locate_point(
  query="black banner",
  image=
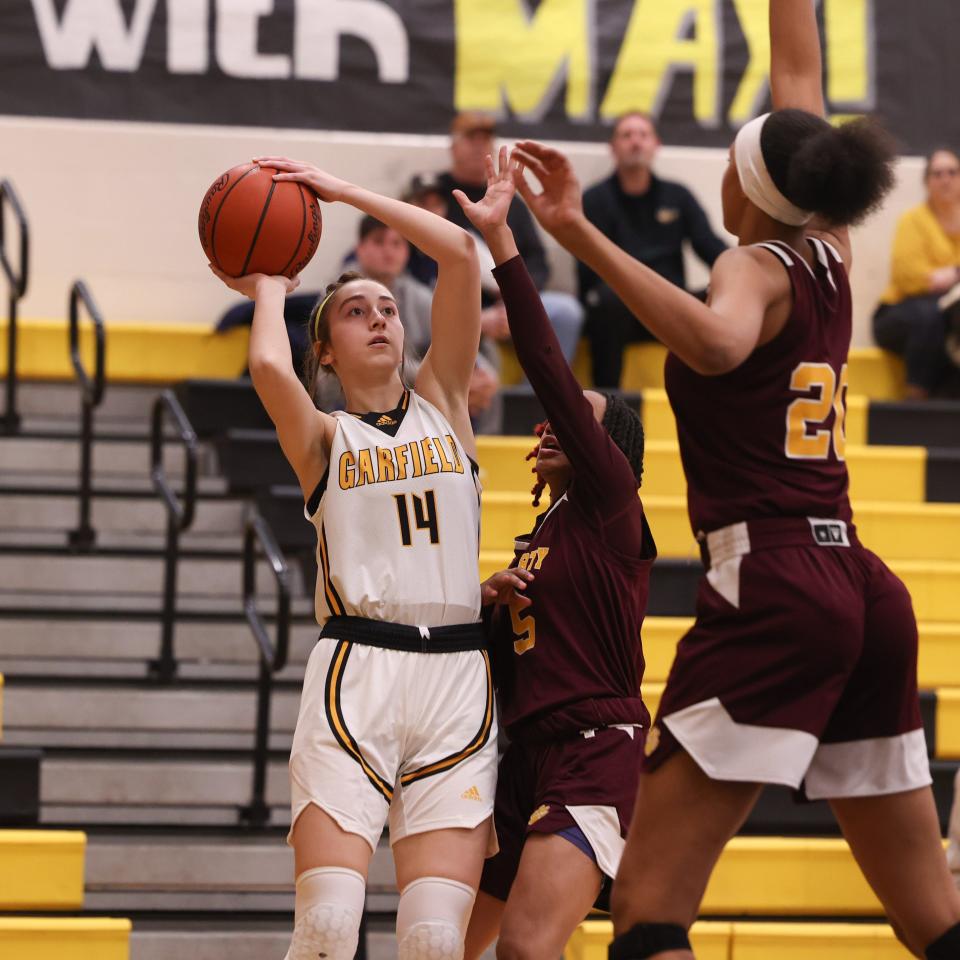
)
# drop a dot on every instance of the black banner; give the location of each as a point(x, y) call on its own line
point(554, 68)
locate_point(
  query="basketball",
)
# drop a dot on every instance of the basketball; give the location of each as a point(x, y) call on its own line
point(250, 223)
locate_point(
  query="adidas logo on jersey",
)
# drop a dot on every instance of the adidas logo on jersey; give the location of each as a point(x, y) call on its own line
point(472, 794)
point(386, 421)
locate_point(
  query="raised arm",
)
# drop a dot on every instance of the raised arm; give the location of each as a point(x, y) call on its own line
point(601, 471)
point(796, 81)
point(711, 339)
point(796, 67)
point(444, 375)
point(305, 433)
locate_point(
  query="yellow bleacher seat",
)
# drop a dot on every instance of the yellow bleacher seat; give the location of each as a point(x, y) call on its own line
point(934, 586)
point(948, 723)
point(895, 530)
point(46, 938)
point(876, 473)
point(825, 941)
point(41, 869)
point(761, 941)
point(939, 650)
point(136, 352)
point(873, 372)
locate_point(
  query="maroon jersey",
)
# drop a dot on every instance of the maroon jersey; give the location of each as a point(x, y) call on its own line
point(767, 439)
point(573, 659)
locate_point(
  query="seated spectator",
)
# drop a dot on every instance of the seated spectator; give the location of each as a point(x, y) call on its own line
point(925, 264)
point(382, 254)
point(471, 141)
point(650, 219)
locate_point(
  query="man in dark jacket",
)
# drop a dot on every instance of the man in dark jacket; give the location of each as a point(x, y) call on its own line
point(648, 217)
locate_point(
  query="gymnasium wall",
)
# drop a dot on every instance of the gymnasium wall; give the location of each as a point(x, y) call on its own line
point(116, 203)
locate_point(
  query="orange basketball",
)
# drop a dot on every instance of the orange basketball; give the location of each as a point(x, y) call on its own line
point(251, 223)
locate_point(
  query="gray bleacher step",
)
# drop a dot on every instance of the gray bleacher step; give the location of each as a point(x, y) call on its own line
point(113, 486)
point(117, 515)
point(82, 604)
point(111, 542)
point(234, 942)
point(69, 643)
point(23, 454)
point(144, 575)
point(168, 863)
point(144, 815)
point(58, 399)
point(121, 711)
point(178, 784)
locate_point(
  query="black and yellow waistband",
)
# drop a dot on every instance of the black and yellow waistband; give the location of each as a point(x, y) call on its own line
point(455, 638)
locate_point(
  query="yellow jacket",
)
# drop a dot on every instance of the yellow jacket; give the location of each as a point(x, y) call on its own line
point(920, 246)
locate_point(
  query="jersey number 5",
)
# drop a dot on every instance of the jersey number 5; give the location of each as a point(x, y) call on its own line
point(424, 516)
point(803, 443)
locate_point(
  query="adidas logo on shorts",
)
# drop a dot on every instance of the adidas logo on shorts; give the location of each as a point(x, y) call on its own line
point(472, 794)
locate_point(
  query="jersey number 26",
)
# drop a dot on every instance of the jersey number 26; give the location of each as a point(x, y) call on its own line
point(807, 438)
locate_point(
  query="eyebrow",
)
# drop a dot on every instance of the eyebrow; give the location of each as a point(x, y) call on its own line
point(360, 296)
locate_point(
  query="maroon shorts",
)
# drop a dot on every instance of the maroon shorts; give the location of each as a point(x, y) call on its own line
point(588, 781)
point(801, 668)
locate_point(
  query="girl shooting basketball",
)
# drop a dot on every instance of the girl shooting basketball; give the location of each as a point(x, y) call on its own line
point(396, 717)
point(566, 639)
point(801, 666)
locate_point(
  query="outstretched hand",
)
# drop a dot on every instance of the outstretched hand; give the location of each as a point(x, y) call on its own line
point(560, 202)
point(249, 284)
point(326, 186)
point(491, 210)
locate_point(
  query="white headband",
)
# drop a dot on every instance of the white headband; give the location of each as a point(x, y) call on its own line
point(756, 181)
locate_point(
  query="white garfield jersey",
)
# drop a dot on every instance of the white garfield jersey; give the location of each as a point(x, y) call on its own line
point(398, 524)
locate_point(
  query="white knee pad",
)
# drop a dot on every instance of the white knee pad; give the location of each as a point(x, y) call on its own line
point(329, 907)
point(432, 919)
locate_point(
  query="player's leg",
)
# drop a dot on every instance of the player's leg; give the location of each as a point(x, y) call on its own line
point(331, 870)
point(339, 804)
point(681, 822)
point(484, 926)
point(555, 887)
point(896, 842)
point(872, 765)
point(438, 873)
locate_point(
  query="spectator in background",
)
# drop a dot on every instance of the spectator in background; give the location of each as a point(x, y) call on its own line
point(924, 266)
point(650, 219)
point(471, 141)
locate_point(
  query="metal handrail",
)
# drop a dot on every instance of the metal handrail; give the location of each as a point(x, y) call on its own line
point(17, 287)
point(91, 393)
point(179, 517)
point(273, 655)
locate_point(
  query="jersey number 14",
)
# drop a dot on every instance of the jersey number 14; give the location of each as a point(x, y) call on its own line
point(424, 516)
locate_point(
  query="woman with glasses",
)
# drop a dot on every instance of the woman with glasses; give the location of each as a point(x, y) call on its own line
point(925, 265)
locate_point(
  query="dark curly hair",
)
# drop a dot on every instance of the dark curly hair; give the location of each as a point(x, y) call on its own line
point(840, 173)
point(625, 427)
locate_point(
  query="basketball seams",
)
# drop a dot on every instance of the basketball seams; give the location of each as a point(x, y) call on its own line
point(303, 230)
point(216, 216)
point(256, 233)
